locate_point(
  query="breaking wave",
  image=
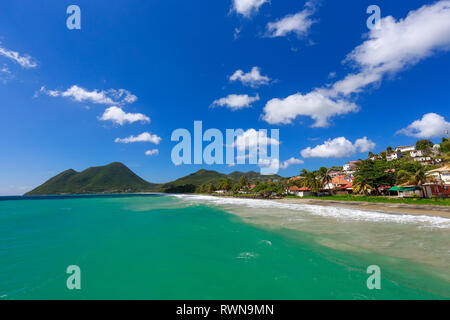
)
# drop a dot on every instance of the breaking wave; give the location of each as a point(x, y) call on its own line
point(324, 211)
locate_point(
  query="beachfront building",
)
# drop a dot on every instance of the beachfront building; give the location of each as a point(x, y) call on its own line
point(394, 156)
point(440, 175)
point(340, 181)
point(407, 191)
point(300, 192)
point(432, 190)
point(344, 190)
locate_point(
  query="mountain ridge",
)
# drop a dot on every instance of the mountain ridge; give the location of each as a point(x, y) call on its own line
point(118, 178)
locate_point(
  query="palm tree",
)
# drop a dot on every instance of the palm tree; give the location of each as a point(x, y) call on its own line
point(403, 177)
point(418, 178)
point(362, 186)
point(324, 175)
point(406, 178)
point(243, 182)
point(312, 181)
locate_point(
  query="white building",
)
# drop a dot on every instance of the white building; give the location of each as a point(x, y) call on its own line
point(424, 160)
point(416, 153)
point(436, 148)
point(405, 149)
point(441, 175)
point(394, 156)
point(350, 167)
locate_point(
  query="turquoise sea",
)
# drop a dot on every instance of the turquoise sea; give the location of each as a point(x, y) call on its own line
point(199, 247)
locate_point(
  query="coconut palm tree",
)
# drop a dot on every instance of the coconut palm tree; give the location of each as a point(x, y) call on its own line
point(403, 177)
point(418, 178)
point(362, 186)
point(324, 176)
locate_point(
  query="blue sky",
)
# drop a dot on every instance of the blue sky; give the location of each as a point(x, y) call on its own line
point(334, 88)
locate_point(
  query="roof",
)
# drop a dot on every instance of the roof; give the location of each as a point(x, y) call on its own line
point(340, 180)
point(402, 189)
point(348, 186)
point(442, 169)
point(297, 178)
point(299, 189)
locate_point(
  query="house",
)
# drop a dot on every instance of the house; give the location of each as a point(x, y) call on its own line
point(334, 174)
point(416, 153)
point(344, 190)
point(404, 149)
point(296, 178)
point(341, 181)
point(432, 190)
point(394, 156)
point(436, 148)
point(350, 167)
point(300, 192)
point(424, 160)
point(441, 175)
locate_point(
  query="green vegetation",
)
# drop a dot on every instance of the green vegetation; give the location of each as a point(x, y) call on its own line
point(208, 181)
point(117, 178)
point(419, 201)
point(112, 178)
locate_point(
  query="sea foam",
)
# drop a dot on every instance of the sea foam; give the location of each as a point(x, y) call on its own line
point(324, 211)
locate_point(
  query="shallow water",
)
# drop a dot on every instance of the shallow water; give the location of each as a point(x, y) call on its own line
point(197, 247)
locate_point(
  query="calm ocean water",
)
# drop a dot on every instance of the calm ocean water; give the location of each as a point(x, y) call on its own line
point(197, 247)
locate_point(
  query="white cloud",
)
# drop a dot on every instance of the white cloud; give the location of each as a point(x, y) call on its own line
point(338, 148)
point(117, 115)
point(272, 166)
point(236, 101)
point(143, 137)
point(109, 97)
point(398, 45)
point(431, 125)
point(298, 23)
point(152, 152)
point(253, 138)
point(252, 78)
point(290, 162)
point(387, 51)
point(25, 61)
point(247, 7)
point(317, 105)
point(5, 70)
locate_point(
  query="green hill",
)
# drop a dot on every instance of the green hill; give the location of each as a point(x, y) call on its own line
point(112, 178)
point(117, 178)
point(208, 176)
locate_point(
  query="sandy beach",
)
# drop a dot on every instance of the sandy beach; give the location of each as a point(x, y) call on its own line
point(395, 208)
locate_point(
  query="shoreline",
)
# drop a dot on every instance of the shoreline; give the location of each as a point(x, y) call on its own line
point(390, 208)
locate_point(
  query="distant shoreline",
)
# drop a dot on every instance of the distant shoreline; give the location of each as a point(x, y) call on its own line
point(392, 208)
